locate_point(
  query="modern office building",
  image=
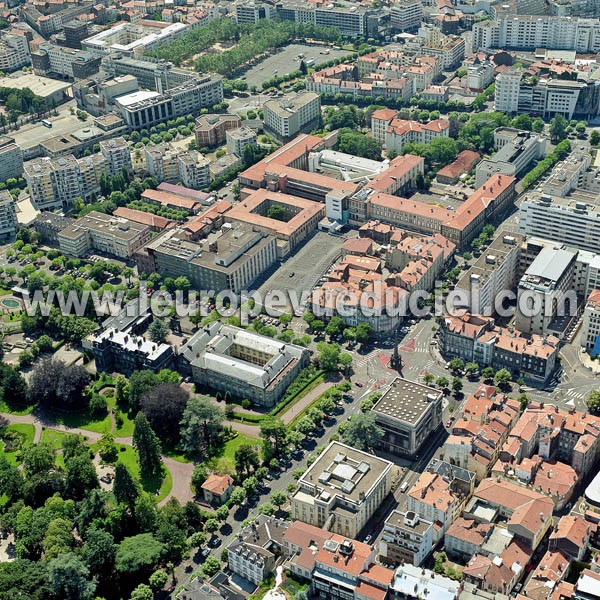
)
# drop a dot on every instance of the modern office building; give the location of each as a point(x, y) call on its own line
point(242, 364)
point(66, 63)
point(75, 32)
point(285, 118)
point(342, 489)
point(407, 412)
point(251, 11)
point(14, 52)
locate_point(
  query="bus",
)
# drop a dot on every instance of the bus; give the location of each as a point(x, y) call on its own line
point(46, 123)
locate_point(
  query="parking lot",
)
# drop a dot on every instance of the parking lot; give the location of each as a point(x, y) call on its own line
point(286, 60)
point(302, 271)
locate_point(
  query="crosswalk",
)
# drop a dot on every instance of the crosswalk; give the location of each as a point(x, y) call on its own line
point(366, 358)
point(574, 395)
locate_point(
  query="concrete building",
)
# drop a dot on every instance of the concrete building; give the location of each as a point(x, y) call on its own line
point(399, 132)
point(242, 364)
point(287, 117)
point(228, 259)
point(53, 184)
point(146, 108)
point(8, 216)
point(495, 271)
point(14, 52)
point(590, 329)
point(406, 15)
point(380, 120)
point(515, 152)
point(121, 351)
point(238, 139)
point(412, 582)
point(98, 231)
point(250, 11)
point(211, 129)
point(11, 158)
point(67, 63)
point(194, 170)
point(406, 538)
point(75, 32)
point(407, 412)
point(342, 489)
point(545, 290)
point(117, 155)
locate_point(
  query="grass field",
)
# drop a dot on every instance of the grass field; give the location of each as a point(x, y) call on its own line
point(26, 433)
point(15, 410)
point(82, 421)
point(223, 461)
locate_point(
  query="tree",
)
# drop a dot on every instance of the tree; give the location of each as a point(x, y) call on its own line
point(147, 445)
point(538, 125)
point(306, 425)
point(363, 331)
point(274, 434)
point(329, 355)
point(558, 128)
point(80, 475)
point(158, 580)
point(222, 513)
point(581, 127)
point(158, 330)
point(145, 512)
point(442, 382)
point(457, 384)
point(358, 144)
point(197, 539)
point(202, 421)
point(345, 360)
point(58, 538)
point(138, 554)
point(487, 373)
point(124, 487)
point(55, 385)
point(471, 368)
point(457, 364)
point(164, 406)
point(361, 431)
point(142, 592)
point(199, 476)
point(211, 566)
point(246, 459)
point(38, 459)
point(278, 498)
point(595, 137)
point(99, 550)
point(522, 122)
point(593, 401)
point(502, 377)
point(69, 578)
point(238, 496)
point(429, 378)
point(211, 525)
point(335, 327)
point(277, 212)
point(139, 383)
point(250, 484)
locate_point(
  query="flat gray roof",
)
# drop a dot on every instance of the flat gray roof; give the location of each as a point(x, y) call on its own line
point(550, 264)
point(406, 401)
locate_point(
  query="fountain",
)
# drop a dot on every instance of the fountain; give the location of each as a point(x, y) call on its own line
point(276, 593)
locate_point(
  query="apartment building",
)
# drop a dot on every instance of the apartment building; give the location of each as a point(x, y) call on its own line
point(211, 129)
point(590, 329)
point(406, 538)
point(117, 155)
point(517, 92)
point(258, 548)
point(408, 412)
point(380, 120)
point(14, 52)
point(406, 15)
point(145, 108)
point(238, 139)
point(124, 352)
point(287, 117)
point(494, 272)
point(161, 162)
point(477, 338)
point(105, 233)
point(342, 489)
point(547, 282)
point(527, 32)
point(53, 184)
point(11, 158)
point(194, 170)
point(75, 32)
point(229, 259)
point(515, 152)
point(8, 216)
point(51, 59)
point(241, 363)
point(399, 132)
point(440, 494)
point(250, 12)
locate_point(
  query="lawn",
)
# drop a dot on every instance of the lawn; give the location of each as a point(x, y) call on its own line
point(82, 420)
point(15, 410)
point(26, 433)
point(55, 438)
point(128, 457)
point(223, 460)
point(126, 428)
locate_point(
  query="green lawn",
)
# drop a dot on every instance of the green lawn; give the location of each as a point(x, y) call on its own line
point(26, 433)
point(126, 429)
point(223, 461)
point(82, 420)
point(55, 438)
point(128, 457)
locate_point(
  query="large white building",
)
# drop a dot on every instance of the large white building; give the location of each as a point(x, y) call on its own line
point(406, 15)
point(287, 117)
point(14, 52)
point(116, 154)
point(590, 329)
point(164, 162)
point(342, 489)
point(528, 32)
point(53, 184)
point(11, 158)
point(8, 216)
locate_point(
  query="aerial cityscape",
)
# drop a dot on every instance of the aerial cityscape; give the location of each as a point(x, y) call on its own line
point(300, 299)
